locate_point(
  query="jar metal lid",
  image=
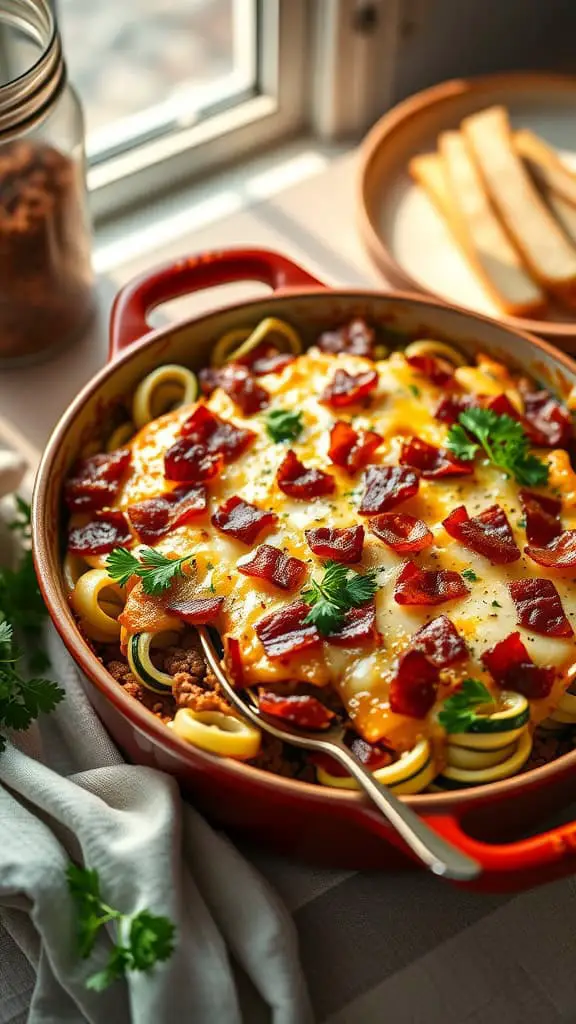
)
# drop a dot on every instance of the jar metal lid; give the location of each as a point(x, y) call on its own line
point(27, 96)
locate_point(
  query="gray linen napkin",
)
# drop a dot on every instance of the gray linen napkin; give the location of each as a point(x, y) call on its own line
point(65, 791)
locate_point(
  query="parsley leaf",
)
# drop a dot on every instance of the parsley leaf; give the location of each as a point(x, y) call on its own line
point(469, 575)
point(143, 939)
point(284, 424)
point(154, 569)
point(458, 714)
point(22, 522)
point(503, 439)
point(415, 390)
point(340, 589)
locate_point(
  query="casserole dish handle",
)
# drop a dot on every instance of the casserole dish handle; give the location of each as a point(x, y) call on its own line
point(129, 317)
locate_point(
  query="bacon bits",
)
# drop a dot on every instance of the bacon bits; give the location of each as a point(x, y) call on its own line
point(198, 611)
point(387, 486)
point(416, 586)
point(303, 710)
point(542, 517)
point(359, 627)
point(512, 668)
point(352, 450)
point(156, 516)
point(217, 435)
point(239, 519)
point(285, 631)
point(560, 553)
point(266, 358)
point(549, 420)
point(299, 482)
point(270, 564)
point(539, 607)
point(233, 659)
point(404, 534)
point(95, 482)
point(413, 688)
point(440, 642)
point(451, 406)
point(239, 384)
point(488, 534)
point(371, 755)
point(439, 371)
point(108, 530)
point(189, 462)
point(341, 544)
point(432, 462)
point(347, 388)
point(356, 338)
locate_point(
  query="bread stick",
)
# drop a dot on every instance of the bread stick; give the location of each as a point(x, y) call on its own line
point(546, 165)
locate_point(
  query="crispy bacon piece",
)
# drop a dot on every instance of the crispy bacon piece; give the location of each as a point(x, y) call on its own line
point(341, 544)
point(299, 709)
point(387, 486)
point(488, 534)
point(371, 755)
point(440, 642)
point(542, 517)
point(108, 530)
point(189, 462)
point(239, 384)
point(95, 481)
point(512, 668)
point(352, 450)
point(432, 462)
point(358, 627)
point(439, 371)
point(560, 553)
point(197, 611)
point(266, 358)
point(270, 564)
point(156, 516)
point(347, 388)
point(239, 519)
point(233, 659)
point(299, 482)
point(403, 533)
point(451, 406)
point(285, 631)
point(217, 435)
point(357, 338)
point(416, 586)
point(549, 419)
point(539, 607)
point(413, 688)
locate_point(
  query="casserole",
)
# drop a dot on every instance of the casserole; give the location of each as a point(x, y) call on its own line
point(301, 818)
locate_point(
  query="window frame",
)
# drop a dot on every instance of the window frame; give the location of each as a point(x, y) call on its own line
point(277, 111)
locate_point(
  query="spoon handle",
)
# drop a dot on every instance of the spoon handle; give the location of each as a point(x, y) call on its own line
point(440, 856)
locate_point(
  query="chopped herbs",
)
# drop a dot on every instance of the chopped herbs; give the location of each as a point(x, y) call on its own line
point(504, 441)
point(496, 604)
point(458, 714)
point(143, 939)
point(284, 425)
point(415, 391)
point(154, 569)
point(469, 575)
point(341, 588)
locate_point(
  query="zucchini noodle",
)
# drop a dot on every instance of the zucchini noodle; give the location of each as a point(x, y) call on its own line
point(217, 733)
point(165, 388)
point(440, 349)
point(119, 437)
point(411, 773)
point(141, 664)
point(232, 346)
point(98, 602)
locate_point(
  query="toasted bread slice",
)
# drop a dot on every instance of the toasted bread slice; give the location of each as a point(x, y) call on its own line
point(428, 171)
point(489, 250)
point(546, 251)
point(546, 165)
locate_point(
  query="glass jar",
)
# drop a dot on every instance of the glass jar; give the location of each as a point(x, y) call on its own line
point(46, 282)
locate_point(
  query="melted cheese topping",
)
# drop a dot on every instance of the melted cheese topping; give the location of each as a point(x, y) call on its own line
point(401, 407)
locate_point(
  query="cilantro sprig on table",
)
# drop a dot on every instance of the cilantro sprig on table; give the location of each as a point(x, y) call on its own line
point(458, 711)
point(156, 570)
point(143, 939)
point(340, 589)
point(504, 441)
point(284, 425)
point(23, 611)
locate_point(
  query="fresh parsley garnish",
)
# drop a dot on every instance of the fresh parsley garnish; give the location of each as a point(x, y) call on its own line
point(284, 425)
point(154, 569)
point(504, 441)
point(22, 522)
point(143, 939)
point(340, 589)
point(415, 390)
point(21, 699)
point(469, 575)
point(458, 714)
point(496, 604)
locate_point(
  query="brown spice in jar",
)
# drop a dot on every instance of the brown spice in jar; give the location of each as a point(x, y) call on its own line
point(45, 271)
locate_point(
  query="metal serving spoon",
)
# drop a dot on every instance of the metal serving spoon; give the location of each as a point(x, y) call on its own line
point(439, 856)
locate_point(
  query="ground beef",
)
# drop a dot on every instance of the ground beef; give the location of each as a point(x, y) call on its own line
point(162, 707)
point(187, 659)
point(548, 745)
point(188, 694)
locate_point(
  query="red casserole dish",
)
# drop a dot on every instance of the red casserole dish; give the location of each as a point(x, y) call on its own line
point(335, 826)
